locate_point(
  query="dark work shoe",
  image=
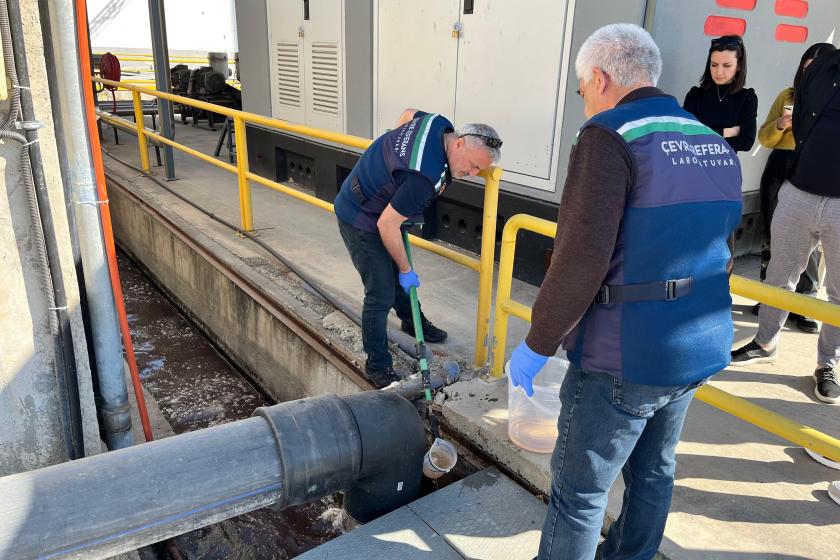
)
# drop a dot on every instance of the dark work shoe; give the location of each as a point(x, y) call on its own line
point(381, 377)
point(752, 353)
point(430, 332)
point(805, 324)
point(827, 389)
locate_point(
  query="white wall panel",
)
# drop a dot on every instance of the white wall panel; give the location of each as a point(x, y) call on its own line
point(286, 62)
point(416, 59)
point(323, 55)
point(508, 73)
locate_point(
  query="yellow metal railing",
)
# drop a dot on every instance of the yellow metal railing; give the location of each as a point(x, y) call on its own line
point(147, 57)
point(765, 419)
point(150, 82)
point(492, 176)
point(504, 305)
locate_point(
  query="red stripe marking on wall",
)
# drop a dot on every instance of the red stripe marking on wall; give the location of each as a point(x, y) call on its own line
point(719, 25)
point(792, 8)
point(791, 33)
point(737, 4)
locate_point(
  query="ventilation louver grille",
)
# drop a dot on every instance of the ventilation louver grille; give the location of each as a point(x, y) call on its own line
point(288, 74)
point(324, 83)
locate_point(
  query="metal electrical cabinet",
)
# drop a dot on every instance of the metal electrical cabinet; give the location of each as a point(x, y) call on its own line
point(416, 59)
point(499, 62)
point(314, 46)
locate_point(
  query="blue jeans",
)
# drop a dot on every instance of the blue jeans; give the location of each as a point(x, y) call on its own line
point(380, 278)
point(609, 426)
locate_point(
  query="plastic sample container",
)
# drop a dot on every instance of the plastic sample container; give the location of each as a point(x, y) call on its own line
point(532, 421)
point(439, 459)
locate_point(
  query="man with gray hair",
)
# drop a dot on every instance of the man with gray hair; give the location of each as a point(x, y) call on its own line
point(399, 174)
point(637, 293)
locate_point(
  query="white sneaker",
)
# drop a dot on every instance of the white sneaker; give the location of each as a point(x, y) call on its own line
point(834, 491)
point(823, 460)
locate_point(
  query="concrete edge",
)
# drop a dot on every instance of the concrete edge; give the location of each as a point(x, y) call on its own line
point(181, 264)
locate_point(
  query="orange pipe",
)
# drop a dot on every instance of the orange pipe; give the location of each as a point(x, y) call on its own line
point(105, 214)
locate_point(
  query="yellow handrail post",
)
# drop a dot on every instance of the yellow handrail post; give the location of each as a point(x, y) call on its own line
point(485, 267)
point(504, 305)
point(242, 174)
point(503, 286)
point(141, 132)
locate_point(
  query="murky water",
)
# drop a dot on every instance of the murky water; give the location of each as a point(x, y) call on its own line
point(195, 387)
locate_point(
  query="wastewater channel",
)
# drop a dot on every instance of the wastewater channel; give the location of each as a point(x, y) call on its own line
point(195, 387)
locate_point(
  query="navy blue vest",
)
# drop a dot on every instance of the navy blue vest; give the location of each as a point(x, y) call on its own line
point(681, 210)
point(416, 146)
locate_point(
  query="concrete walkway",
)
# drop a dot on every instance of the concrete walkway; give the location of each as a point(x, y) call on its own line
point(741, 493)
point(469, 519)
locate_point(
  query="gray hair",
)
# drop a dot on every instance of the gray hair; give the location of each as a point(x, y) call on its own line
point(472, 135)
point(625, 51)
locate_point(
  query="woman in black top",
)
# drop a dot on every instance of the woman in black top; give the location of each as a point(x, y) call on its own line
point(721, 101)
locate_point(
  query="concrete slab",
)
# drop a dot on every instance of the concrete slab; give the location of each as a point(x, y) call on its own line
point(741, 493)
point(485, 516)
point(468, 519)
point(400, 535)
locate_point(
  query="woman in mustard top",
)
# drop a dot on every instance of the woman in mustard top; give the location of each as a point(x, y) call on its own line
point(776, 134)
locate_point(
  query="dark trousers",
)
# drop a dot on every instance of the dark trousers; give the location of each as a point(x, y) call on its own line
point(775, 172)
point(380, 278)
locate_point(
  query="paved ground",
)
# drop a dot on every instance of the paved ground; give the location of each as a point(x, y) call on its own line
point(469, 519)
point(741, 493)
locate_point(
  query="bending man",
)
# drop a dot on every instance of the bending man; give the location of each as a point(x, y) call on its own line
point(390, 186)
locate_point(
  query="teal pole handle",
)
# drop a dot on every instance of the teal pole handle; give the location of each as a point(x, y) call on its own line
point(418, 326)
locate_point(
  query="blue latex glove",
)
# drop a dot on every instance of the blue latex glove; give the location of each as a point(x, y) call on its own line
point(409, 279)
point(525, 364)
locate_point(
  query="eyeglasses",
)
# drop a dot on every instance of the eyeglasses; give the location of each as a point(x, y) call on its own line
point(727, 42)
point(489, 141)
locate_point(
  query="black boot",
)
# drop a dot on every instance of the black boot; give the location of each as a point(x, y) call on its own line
point(430, 332)
point(381, 377)
point(805, 324)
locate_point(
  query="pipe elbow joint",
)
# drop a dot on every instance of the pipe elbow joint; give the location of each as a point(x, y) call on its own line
point(393, 441)
point(369, 445)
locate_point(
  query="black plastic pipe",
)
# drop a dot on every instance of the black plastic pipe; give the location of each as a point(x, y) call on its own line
point(392, 456)
point(370, 445)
